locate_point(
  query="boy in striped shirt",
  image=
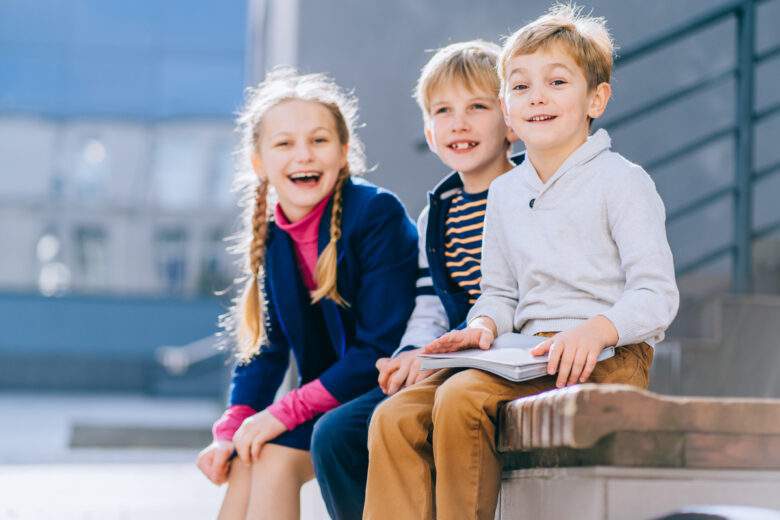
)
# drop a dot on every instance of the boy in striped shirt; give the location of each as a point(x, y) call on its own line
point(458, 95)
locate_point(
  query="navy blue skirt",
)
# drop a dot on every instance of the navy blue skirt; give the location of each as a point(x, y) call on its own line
point(299, 437)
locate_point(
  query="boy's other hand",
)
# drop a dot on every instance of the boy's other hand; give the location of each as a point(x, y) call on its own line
point(401, 371)
point(480, 333)
point(213, 461)
point(574, 353)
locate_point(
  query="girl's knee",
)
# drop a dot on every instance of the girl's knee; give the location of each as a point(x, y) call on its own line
point(239, 472)
point(236, 499)
point(282, 464)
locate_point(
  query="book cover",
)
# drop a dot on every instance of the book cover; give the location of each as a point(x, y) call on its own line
point(508, 357)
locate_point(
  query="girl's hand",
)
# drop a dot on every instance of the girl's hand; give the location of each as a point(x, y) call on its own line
point(254, 432)
point(213, 461)
point(574, 353)
point(480, 333)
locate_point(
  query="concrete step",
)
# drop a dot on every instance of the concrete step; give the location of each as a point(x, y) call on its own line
point(727, 345)
point(85, 435)
point(93, 372)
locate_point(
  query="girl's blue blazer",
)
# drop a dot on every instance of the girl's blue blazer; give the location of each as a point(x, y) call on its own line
point(377, 271)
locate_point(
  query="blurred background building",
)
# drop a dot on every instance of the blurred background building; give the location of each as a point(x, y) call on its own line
point(116, 137)
point(116, 134)
point(116, 148)
point(116, 140)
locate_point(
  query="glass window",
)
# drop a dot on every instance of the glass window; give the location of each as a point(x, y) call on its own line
point(171, 258)
point(221, 178)
point(216, 273)
point(91, 174)
point(178, 161)
point(28, 149)
point(53, 275)
point(92, 256)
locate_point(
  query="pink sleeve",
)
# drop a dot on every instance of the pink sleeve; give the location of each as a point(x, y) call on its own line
point(227, 425)
point(300, 405)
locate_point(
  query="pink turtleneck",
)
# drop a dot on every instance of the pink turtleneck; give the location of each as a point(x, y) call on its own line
point(311, 399)
point(304, 234)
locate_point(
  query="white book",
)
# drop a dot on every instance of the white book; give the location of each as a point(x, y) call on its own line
point(508, 357)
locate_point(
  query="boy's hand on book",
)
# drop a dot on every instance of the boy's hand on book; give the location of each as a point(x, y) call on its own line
point(573, 354)
point(479, 334)
point(401, 371)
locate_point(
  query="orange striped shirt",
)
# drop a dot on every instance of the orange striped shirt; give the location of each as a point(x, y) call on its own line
point(463, 241)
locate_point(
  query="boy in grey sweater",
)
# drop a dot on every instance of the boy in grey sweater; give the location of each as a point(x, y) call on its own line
point(574, 249)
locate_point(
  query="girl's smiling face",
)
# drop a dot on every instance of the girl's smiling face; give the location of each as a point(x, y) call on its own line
point(300, 154)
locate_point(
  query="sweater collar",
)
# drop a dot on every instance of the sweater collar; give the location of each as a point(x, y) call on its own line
point(306, 229)
point(593, 146)
point(452, 183)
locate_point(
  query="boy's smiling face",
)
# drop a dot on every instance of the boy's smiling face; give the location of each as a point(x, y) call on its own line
point(467, 130)
point(547, 101)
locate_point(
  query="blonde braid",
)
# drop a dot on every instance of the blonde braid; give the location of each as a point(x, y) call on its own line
point(325, 272)
point(252, 329)
point(245, 325)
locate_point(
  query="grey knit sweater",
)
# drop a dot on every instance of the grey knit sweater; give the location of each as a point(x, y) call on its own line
point(590, 241)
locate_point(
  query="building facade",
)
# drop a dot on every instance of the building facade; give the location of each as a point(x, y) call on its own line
point(116, 145)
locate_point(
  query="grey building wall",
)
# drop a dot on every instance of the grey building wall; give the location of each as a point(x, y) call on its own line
point(116, 121)
point(378, 48)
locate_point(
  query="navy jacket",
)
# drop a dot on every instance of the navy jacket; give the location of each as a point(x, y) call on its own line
point(377, 269)
point(454, 299)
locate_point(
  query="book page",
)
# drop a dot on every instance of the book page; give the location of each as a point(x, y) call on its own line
point(508, 349)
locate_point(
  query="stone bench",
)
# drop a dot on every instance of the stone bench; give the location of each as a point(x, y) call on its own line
point(613, 451)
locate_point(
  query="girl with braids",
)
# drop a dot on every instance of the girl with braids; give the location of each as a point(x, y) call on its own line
point(331, 265)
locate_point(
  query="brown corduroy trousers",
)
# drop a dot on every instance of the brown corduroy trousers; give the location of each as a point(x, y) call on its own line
point(432, 446)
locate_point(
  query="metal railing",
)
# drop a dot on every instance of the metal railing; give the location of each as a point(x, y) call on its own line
point(742, 131)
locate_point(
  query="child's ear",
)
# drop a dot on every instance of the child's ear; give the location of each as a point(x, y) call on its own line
point(429, 137)
point(598, 103)
point(257, 166)
point(504, 111)
point(511, 136)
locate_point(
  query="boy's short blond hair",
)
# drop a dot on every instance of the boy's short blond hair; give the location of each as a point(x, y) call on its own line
point(471, 64)
point(585, 37)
